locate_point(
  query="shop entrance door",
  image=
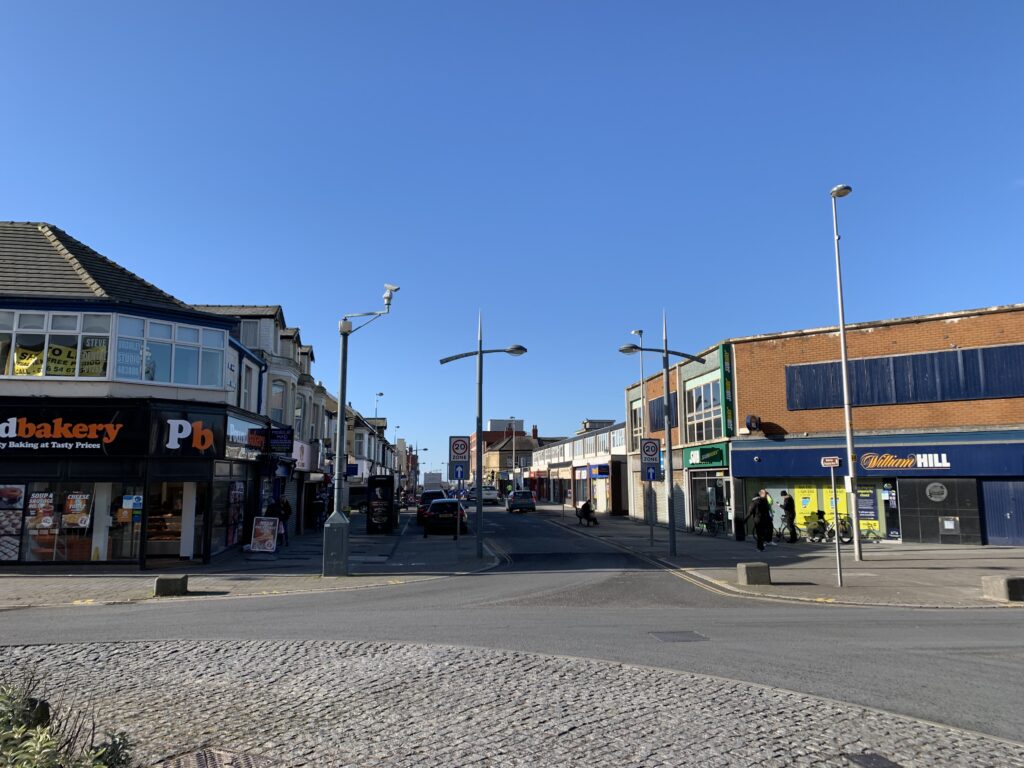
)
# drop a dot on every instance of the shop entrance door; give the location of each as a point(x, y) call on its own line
point(1004, 511)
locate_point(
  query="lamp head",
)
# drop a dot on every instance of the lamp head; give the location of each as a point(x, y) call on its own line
point(629, 349)
point(380, 394)
point(516, 350)
point(841, 191)
point(638, 332)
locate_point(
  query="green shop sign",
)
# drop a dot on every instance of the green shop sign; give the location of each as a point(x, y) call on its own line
point(725, 366)
point(712, 455)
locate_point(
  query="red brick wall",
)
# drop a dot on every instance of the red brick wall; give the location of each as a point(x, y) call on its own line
point(761, 376)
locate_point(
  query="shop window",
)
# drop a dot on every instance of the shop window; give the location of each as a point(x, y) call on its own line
point(59, 344)
point(277, 392)
point(703, 411)
point(28, 354)
point(61, 355)
point(158, 361)
point(58, 522)
point(186, 365)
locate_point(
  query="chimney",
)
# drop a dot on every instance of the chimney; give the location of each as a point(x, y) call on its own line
point(534, 432)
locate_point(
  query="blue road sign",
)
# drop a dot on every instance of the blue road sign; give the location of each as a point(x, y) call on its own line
point(458, 470)
point(651, 472)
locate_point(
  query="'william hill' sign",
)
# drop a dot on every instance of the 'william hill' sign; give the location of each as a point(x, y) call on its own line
point(912, 461)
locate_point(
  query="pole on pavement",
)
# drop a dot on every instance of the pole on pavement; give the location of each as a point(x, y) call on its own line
point(480, 436)
point(668, 441)
point(843, 190)
point(835, 512)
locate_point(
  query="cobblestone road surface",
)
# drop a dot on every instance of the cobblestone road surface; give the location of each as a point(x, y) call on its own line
point(376, 704)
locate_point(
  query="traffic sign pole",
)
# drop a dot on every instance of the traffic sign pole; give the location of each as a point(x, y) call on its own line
point(832, 462)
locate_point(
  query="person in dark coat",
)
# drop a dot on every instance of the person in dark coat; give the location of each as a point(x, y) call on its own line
point(760, 512)
point(789, 517)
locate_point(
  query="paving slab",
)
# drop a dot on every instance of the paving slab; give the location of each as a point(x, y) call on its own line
point(376, 561)
point(891, 573)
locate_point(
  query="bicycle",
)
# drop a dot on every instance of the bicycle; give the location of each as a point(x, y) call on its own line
point(824, 531)
point(781, 532)
point(710, 524)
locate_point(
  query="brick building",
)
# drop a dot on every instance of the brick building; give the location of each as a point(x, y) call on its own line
point(938, 416)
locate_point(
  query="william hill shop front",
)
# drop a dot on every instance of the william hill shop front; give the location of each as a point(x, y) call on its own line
point(119, 481)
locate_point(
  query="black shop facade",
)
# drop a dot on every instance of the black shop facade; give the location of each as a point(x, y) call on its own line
point(140, 483)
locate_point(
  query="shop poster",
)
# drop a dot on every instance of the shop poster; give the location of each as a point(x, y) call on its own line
point(76, 510)
point(40, 513)
point(830, 503)
point(12, 496)
point(805, 497)
point(867, 508)
point(264, 534)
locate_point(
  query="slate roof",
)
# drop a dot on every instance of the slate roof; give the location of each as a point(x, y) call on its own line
point(39, 260)
point(242, 310)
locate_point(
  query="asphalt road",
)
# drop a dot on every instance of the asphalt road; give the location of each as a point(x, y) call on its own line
point(565, 594)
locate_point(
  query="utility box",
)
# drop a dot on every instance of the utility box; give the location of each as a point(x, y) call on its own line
point(381, 510)
point(336, 531)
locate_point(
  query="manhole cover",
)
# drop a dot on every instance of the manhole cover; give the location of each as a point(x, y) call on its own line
point(679, 637)
point(871, 760)
point(218, 758)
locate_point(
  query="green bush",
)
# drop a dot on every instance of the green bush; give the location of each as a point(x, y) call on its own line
point(33, 737)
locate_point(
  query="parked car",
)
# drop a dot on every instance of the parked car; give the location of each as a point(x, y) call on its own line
point(520, 501)
point(426, 499)
point(441, 515)
point(490, 494)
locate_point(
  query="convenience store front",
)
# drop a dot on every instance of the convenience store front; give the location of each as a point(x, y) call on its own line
point(133, 482)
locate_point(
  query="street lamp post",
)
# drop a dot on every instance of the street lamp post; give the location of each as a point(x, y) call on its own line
point(378, 445)
point(515, 350)
point(345, 329)
point(843, 190)
point(631, 349)
point(643, 429)
point(515, 485)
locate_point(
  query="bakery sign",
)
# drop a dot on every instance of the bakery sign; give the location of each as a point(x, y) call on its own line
point(72, 431)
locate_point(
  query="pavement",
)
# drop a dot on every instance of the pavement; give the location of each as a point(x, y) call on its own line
point(374, 561)
point(890, 574)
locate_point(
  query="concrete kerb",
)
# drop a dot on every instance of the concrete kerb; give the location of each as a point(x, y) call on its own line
point(705, 581)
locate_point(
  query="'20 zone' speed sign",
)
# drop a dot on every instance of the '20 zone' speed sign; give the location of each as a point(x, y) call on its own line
point(650, 451)
point(458, 449)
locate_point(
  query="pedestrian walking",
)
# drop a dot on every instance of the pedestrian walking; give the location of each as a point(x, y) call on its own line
point(789, 517)
point(760, 512)
point(285, 516)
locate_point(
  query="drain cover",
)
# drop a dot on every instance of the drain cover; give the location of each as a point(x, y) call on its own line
point(217, 758)
point(871, 760)
point(679, 637)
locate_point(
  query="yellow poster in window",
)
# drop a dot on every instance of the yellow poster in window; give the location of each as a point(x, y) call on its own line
point(830, 503)
point(28, 362)
point(807, 505)
point(61, 360)
point(94, 357)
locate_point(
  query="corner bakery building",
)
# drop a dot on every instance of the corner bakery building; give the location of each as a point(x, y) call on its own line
point(135, 482)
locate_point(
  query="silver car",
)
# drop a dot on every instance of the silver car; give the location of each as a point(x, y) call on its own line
point(520, 501)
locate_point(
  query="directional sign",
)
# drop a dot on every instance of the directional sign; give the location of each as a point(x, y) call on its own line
point(650, 451)
point(650, 473)
point(458, 470)
point(458, 448)
point(830, 461)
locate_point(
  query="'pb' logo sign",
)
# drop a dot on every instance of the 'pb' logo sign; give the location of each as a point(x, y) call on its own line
point(179, 429)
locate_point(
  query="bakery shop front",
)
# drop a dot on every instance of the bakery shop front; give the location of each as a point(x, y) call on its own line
point(134, 482)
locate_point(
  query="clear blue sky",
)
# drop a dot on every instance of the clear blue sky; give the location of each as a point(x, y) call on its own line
point(571, 167)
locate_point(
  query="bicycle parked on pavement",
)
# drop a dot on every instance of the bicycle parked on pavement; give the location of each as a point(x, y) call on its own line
point(823, 531)
point(710, 523)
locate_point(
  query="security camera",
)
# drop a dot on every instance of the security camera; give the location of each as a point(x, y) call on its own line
point(392, 288)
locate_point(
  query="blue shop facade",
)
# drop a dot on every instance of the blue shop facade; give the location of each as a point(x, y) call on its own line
point(943, 487)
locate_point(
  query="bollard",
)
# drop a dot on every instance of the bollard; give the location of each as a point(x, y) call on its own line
point(170, 586)
point(336, 545)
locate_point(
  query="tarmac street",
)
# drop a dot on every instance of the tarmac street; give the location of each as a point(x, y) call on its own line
point(569, 646)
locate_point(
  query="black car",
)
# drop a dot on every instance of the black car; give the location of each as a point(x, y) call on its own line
point(441, 515)
point(425, 500)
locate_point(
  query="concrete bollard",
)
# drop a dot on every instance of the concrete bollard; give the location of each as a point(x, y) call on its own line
point(751, 574)
point(336, 531)
point(1005, 588)
point(170, 586)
